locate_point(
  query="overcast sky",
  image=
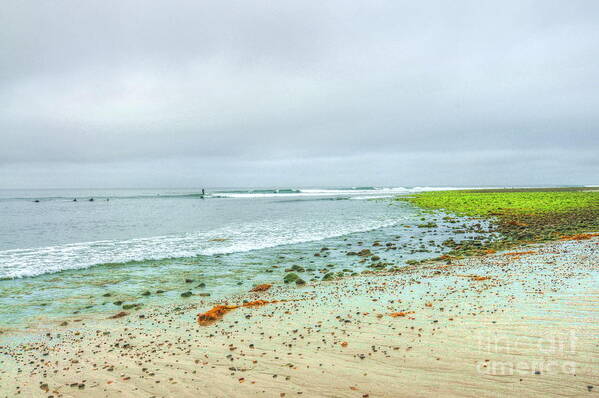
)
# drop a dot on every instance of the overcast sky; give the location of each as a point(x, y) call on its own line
point(277, 93)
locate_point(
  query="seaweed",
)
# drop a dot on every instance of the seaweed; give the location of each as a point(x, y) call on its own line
point(518, 216)
point(261, 288)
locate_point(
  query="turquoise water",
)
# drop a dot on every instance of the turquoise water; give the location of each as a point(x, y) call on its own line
point(60, 257)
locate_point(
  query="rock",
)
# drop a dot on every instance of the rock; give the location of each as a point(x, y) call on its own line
point(364, 253)
point(186, 294)
point(328, 276)
point(146, 293)
point(300, 281)
point(291, 277)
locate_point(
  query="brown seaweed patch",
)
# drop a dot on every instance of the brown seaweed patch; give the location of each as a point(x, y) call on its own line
point(475, 277)
point(449, 265)
point(401, 314)
point(261, 288)
point(217, 312)
point(519, 253)
point(579, 237)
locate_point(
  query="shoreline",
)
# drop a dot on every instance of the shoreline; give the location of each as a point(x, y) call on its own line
point(413, 332)
point(104, 288)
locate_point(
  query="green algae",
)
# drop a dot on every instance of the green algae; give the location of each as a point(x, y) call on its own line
point(520, 216)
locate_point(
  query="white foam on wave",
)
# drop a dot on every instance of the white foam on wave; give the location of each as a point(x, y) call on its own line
point(18, 263)
point(371, 197)
point(293, 229)
point(352, 193)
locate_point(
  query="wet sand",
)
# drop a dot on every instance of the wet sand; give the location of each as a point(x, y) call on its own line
point(500, 325)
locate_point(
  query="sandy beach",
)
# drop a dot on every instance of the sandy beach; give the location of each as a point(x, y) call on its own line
point(520, 323)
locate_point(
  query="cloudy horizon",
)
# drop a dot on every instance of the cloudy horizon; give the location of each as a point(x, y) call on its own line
point(189, 94)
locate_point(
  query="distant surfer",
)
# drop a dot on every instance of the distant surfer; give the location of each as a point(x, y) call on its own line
point(203, 193)
point(91, 199)
point(74, 200)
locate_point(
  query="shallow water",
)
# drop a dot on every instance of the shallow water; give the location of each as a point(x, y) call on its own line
point(59, 257)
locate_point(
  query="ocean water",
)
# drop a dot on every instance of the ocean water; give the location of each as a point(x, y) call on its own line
point(60, 257)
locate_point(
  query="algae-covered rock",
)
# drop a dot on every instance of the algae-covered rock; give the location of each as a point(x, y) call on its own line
point(428, 225)
point(290, 277)
point(328, 276)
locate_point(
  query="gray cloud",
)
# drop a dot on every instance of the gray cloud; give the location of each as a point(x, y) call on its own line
point(135, 93)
